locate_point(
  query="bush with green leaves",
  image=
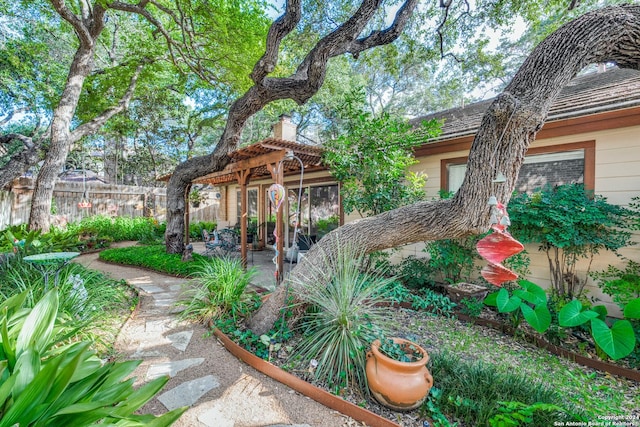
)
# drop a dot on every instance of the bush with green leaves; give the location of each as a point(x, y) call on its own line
point(154, 257)
point(18, 239)
point(570, 224)
point(453, 260)
point(195, 229)
point(622, 285)
point(347, 316)
point(529, 301)
point(371, 158)
point(416, 273)
point(116, 228)
point(219, 291)
point(48, 380)
point(474, 392)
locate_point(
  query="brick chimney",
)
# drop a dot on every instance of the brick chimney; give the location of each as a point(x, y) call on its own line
point(284, 129)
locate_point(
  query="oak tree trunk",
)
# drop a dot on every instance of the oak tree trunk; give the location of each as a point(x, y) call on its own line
point(300, 86)
point(508, 127)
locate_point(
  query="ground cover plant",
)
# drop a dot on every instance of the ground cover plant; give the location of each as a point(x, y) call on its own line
point(153, 257)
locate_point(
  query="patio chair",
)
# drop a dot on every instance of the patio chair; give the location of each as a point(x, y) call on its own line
point(211, 245)
point(230, 241)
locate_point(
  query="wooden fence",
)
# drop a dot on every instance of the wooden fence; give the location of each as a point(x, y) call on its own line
point(106, 199)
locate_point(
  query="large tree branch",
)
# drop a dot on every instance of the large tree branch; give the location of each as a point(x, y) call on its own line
point(280, 28)
point(20, 161)
point(507, 129)
point(97, 122)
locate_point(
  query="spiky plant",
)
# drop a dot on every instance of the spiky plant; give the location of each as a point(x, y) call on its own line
point(346, 316)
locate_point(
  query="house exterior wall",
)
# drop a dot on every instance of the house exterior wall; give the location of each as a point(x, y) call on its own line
point(616, 177)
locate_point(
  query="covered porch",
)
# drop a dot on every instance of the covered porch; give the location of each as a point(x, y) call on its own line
point(271, 161)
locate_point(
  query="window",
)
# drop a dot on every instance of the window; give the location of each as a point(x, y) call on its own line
point(320, 210)
point(252, 204)
point(556, 165)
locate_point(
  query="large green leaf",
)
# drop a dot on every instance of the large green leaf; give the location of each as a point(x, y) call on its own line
point(572, 315)
point(38, 327)
point(618, 341)
point(505, 303)
point(531, 293)
point(490, 300)
point(632, 309)
point(27, 366)
point(539, 318)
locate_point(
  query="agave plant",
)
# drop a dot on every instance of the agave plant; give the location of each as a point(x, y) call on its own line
point(346, 316)
point(47, 380)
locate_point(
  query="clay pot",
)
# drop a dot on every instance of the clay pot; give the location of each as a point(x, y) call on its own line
point(401, 386)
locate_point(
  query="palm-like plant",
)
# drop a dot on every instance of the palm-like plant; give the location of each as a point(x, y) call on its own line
point(47, 380)
point(218, 291)
point(346, 316)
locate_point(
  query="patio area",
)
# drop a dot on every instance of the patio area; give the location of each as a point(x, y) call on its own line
point(262, 260)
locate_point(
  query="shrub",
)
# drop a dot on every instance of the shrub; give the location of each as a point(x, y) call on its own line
point(118, 229)
point(47, 381)
point(453, 260)
point(219, 291)
point(570, 224)
point(345, 318)
point(621, 285)
point(415, 272)
point(18, 239)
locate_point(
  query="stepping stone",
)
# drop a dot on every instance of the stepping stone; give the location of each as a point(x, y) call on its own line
point(164, 300)
point(152, 289)
point(142, 354)
point(246, 402)
point(171, 368)
point(159, 325)
point(180, 340)
point(188, 393)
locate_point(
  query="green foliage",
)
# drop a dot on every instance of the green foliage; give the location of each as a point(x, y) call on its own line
point(415, 272)
point(117, 229)
point(433, 302)
point(570, 224)
point(19, 239)
point(617, 341)
point(402, 352)
point(87, 296)
point(195, 228)
point(621, 285)
point(154, 257)
point(530, 300)
point(218, 291)
point(453, 260)
point(371, 159)
point(473, 392)
point(515, 414)
point(48, 381)
point(472, 307)
point(347, 316)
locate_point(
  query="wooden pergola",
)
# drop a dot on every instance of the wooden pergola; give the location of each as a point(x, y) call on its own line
point(271, 158)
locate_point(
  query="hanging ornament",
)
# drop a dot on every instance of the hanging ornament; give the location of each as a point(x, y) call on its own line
point(498, 246)
point(276, 195)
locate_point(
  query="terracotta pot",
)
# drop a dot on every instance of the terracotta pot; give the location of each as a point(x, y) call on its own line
point(460, 291)
point(401, 386)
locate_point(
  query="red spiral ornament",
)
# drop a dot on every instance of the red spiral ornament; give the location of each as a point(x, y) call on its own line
point(498, 246)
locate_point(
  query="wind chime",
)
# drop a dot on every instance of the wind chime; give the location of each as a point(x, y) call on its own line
point(84, 202)
point(499, 245)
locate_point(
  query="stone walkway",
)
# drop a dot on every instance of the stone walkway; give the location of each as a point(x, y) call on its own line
point(220, 390)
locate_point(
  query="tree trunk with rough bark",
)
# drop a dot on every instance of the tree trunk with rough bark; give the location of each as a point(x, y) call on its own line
point(508, 127)
point(300, 86)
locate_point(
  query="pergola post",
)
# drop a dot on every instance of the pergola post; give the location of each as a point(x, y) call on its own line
point(278, 176)
point(243, 180)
